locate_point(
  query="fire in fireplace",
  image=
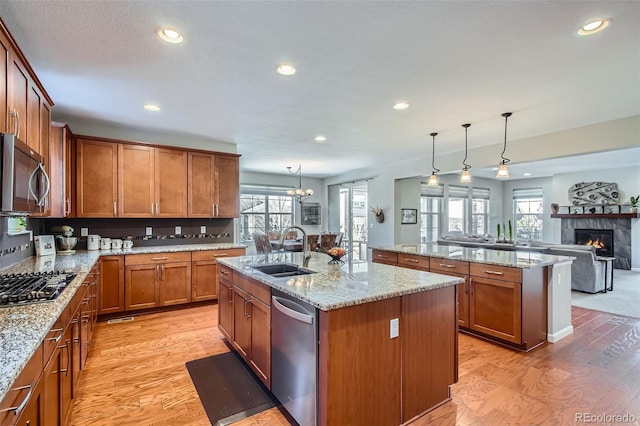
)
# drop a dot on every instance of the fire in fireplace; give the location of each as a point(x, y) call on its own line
point(601, 239)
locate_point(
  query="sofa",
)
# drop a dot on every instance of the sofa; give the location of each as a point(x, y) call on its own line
point(587, 273)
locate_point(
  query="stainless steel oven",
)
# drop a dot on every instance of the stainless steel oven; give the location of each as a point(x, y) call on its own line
point(25, 184)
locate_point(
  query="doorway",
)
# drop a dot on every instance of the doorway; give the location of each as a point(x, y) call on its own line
point(353, 220)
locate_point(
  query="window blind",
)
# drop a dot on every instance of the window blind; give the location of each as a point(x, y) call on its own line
point(527, 193)
point(264, 190)
point(431, 191)
point(481, 193)
point(456, 191)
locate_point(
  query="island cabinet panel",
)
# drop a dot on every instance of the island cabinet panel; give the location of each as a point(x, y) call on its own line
point(261, 340)
point(111, 285)
point(495, 309)
point(359, 365)
point(225, 302)
point(135, 181)
point(495, 272)
point(444, 266)
point(204, 272)
point(413, 261)
point(242, 323)
point(96, 178)
point(429, 331)
point(383, 256)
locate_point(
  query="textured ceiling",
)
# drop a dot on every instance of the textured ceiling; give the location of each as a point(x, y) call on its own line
point(453, 61)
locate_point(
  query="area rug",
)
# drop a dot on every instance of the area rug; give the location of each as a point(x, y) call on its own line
point(623, 300)
point(228, 390)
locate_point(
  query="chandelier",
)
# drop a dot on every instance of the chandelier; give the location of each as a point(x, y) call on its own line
point(299, 193)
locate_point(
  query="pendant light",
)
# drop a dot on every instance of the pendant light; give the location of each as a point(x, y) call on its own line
point(433, 180)
point(503, 171)
point(299, 193)
point(465, 177)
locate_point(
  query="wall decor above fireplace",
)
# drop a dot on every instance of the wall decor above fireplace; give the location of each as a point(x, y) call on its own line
point(593, 193)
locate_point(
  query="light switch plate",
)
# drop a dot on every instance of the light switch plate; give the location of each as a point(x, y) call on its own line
point(203, 229)
point(84, 232)
point(394, 328)
point(178, 230)
point(149, 231)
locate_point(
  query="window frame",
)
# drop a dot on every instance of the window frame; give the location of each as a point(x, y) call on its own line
point(530, 196)
point(267, 214)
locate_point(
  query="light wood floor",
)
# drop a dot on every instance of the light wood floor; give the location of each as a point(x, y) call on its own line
point(136, 375)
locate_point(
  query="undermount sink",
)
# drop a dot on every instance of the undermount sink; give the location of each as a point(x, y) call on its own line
point(282, 270)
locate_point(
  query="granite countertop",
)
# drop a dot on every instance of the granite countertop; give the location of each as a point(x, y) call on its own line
point(515, 259)
point(333, 287)
point(22, 328)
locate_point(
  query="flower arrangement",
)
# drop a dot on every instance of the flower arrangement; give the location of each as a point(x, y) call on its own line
point(336, 254)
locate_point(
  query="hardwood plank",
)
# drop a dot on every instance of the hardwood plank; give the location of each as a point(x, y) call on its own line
point(135, 375)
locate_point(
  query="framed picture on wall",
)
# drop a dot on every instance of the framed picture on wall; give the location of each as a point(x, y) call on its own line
point(311, 214)
point(408, 216)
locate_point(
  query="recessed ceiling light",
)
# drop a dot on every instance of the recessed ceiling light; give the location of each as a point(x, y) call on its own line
point(320, 138)
point(594, 26)
point(286, 69)
point(401, 105)
point(527, 174)
point(151, 107)
point(170, 35)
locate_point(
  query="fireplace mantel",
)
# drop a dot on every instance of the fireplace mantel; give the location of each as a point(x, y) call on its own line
point(594, 215)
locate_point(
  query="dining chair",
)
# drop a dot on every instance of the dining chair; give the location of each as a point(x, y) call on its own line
point(263, 245)
point(327, 241)
point(312, 242)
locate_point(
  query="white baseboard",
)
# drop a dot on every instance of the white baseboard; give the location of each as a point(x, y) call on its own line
point(635, 269)
point(552, 338)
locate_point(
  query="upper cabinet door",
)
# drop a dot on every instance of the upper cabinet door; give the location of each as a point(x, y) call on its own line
point(201, 185)
point(97, 177)
point(135, 181)
point(4, 68)
point(18, 92)
point(170, 183)
point(227, 186)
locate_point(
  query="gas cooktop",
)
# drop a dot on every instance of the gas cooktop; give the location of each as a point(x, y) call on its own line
point(28, 288)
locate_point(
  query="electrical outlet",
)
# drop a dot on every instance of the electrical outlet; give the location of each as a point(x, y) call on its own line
point(371, 225)
point(149, 231)
point(178, 230)
point(394, 328)
point(84, 232)
point(203, 229)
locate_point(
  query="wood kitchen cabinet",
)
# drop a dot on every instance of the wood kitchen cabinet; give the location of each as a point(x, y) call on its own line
point(33, 412)
point(5, 48)
point(60, 170)
point(456, 268)
point(204, 272)
point(111, 285)
point(225, 302)
point(96, 178)
point(386, 257)
point(213, 181)
point(153, 280)
point(28, 380)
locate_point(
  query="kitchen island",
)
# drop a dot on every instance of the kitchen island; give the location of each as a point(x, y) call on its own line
point(387, 336)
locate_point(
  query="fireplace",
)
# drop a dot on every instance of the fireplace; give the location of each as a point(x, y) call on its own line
point(602, 239)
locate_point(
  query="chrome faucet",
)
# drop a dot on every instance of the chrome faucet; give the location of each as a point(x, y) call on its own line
point(305, 243)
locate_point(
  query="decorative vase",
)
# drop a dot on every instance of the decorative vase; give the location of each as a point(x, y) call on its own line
point(555, 208)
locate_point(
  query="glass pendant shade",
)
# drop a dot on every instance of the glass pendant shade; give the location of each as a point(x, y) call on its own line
point(465, 177)
point(433, 180)
point(503, 171)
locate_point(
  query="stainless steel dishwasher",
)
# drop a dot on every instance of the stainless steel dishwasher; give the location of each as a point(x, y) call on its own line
point(294, 356)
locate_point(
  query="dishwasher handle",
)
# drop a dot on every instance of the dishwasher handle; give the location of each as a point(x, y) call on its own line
point(292, 309)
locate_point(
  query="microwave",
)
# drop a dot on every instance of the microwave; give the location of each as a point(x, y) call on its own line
point(25, 184)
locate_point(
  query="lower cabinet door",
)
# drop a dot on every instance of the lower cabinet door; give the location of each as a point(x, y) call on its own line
point(260, 359)
point(66, 374)
point(111, 298)
point(496, 308)
point(51, 378)
point(141, 287)
point(242, 323)
point(203, 280)
point(175, 283)
point(225, 309)
point(33, 412)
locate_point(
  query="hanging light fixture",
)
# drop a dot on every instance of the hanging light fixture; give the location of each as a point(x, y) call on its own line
point(503, 171)
point(299, 193)
point(465, 177)
point(433, 180)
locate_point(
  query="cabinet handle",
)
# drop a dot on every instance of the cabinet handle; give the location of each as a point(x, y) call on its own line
point(446, 265)
point(224, 272)
point(494, 272)
point(230, 298)
point(470, 286)
point(55, 339)
point(115, 209)
point(18, 408)
point(151, 209)
point(67, 207)
point(12, 114)
point(159, 258)
point(213, 210)
point(157, 209)
point(412, 260)
point(220, 255)
point(246, 313)
point(18, 123)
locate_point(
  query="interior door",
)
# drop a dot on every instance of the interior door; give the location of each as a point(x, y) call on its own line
point(354, 219)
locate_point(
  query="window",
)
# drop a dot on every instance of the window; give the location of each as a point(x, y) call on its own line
point(458, 198)
point(480, 211)
point(264, 209)
point(430, 212)
point(527, 213)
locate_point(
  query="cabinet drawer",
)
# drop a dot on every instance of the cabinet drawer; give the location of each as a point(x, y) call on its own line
point(256, 289)
point(225, 273)
point(413, 261)
point(503, 273)
point(382, 256)
point(447, 265)
point(19, 390)
point(215, 254)
point(143, 259)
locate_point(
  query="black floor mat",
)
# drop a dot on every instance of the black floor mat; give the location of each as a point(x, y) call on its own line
point(228, 390)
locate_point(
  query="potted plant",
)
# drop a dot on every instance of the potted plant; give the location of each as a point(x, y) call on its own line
point(634, 203)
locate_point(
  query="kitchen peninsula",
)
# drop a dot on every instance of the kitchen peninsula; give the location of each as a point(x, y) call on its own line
point(518, 299)
point(371, 369)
